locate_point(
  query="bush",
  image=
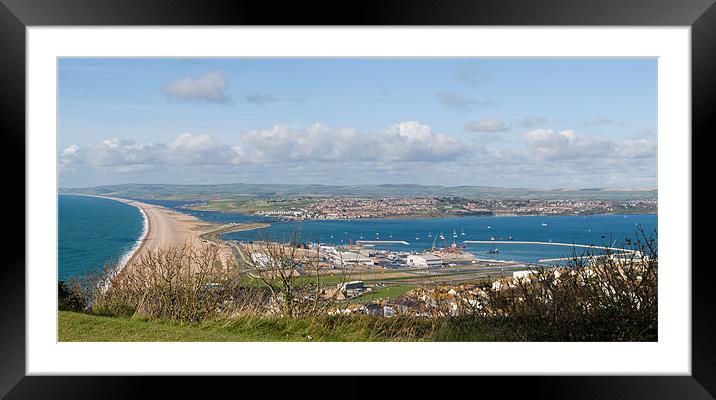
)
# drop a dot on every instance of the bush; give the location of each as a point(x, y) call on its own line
point(594, 297)
point(70, 297)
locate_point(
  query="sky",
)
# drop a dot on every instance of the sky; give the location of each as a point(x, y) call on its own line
point(529, 123)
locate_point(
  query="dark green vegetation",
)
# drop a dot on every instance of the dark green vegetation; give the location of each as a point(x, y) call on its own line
point(208, 192)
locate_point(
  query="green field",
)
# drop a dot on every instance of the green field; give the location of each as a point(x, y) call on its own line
point(247, 204)
point(79, 327)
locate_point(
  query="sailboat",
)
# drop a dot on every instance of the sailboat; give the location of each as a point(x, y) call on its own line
point(417, 237)
point(442, 236)
point(462, 233)
point(430, 234)
point(454, 233)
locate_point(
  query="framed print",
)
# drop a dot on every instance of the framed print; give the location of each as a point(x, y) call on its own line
point(426, 190)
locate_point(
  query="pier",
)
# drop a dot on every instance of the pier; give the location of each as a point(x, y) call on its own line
point(382, 242)
point(584, 246)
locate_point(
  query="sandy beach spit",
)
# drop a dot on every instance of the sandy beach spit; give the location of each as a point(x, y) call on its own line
point(169, 228)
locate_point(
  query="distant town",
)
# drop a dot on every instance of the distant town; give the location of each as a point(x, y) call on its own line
point(416, 207)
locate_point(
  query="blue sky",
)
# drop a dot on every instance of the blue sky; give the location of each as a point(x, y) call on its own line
point(542, 123)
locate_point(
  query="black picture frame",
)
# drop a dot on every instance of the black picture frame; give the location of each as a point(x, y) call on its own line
point(16, 15)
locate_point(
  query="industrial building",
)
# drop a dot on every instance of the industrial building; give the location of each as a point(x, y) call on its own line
point(351, 258)
point(424, 261)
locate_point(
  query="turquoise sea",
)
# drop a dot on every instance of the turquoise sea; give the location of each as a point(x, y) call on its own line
point(93, 232)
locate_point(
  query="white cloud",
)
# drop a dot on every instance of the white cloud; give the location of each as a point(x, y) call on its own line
point(637, 148)
point(317, 142)
point(187, 149)
point(489, 125)
point(209, 88)
point(546, 144)
point(401, 142)
point(413, 141)
point(405, 141)
point(406, 152)
point(566, 145)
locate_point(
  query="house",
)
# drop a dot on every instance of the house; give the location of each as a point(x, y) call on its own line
point(424, 261)
point(352, 288)
point(521, 275)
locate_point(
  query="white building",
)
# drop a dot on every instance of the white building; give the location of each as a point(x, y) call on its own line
point(261, 260)
point(350, 258)
point(424, 260)
point(521, 274)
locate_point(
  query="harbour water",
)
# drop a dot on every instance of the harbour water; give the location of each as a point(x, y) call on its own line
point(423, 234)
point(93, 232)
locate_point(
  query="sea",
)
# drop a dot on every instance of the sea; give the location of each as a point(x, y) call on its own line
point(94, 231)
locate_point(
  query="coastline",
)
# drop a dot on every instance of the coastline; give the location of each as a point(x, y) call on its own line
point(163, 228)
point(129, 256)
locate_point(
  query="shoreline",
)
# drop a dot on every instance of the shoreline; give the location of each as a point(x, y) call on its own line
point(130, 255)
point(164, 228)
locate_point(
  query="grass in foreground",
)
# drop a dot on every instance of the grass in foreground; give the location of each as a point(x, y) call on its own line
point(79, 327)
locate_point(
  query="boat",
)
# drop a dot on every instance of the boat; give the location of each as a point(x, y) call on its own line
point(442, 236)
point(501, 238)
point(430, 234)
point(489, 227)
point(544, 224)
point(494, 251)
point(417, 237)
point(462, 233)
point(454, 233)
